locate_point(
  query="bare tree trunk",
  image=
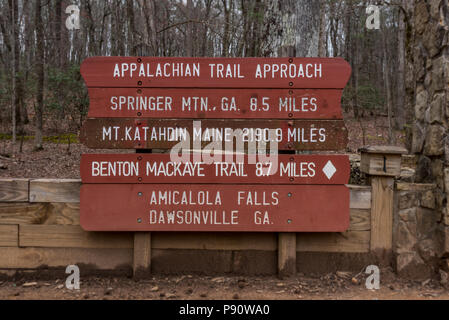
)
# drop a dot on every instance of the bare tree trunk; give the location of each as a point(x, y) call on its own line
point(400, 111)
point(348, 53)
point(59, 58)
point(13, 7)
point(92, 46)
point(245, 22)
point(355, 76)
point(204, 45)
point(24, 66)
point(252, 30)
point(334, 25)
point(103, 27)
point(63, 35)
point(40, 76)
point(17, 80)
point(149, 12)
point(189, 40)
point(307, 27)
point(387, 87)
point(409, 73)
point(354, 45)
point(322, 34)
point(131, 28)
point(227, 9)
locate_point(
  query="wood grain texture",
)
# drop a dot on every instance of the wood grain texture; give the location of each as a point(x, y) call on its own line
point(406, 186)
point(381, 164)
point(360, 220)
point(39, 213)
point(141, 207)
point(197, 103)
point(286, 254)
point(147, 133)
point(142, 255)
point(68, 214)
point(68, 236)
point(9, 235)
point(14, 190)
point(22, 213)
point(349, 241)
point(32, 258)
point(382, 214)
point(54, 190)
point(99, 72)
point(384, 149)
point(160, 168)
point(360, 197)
point(62, 213)
point(354, 241)
point(214, 241)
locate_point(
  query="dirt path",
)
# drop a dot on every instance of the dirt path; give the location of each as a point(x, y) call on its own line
point(341, 285)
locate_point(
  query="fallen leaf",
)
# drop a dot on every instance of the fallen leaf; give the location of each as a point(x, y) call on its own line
point(29, 284)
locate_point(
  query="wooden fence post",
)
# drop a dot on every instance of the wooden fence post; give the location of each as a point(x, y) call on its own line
point(142, 255)
point(382, 164)
point(286, 254)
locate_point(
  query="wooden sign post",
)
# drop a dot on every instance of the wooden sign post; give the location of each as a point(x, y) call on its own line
point(224, 121)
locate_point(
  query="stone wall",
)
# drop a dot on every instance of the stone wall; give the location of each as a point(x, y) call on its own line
point(430, 82)
point(416, 235)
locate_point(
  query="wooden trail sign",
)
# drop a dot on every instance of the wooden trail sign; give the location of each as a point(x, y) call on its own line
point(126, 133)
point(156, 72)
point(257, 208)
point(217, 103)
point(159, 168)
point(216, 107)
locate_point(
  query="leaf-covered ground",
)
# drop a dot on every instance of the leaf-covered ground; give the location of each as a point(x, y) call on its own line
point(335, 286)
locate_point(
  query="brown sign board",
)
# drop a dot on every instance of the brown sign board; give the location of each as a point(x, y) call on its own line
point(236, 169)
point(210, 207)
point(127, 133)
point(171, 72)
point(207, 105)
point(214, 103)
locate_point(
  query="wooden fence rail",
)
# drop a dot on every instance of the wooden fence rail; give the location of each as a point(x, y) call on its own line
point(39, 227)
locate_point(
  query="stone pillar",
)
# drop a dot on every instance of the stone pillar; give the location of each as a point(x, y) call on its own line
point(415, 243)
point(431, 95)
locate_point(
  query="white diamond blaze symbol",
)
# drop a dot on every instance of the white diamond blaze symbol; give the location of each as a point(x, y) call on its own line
point(329, 169)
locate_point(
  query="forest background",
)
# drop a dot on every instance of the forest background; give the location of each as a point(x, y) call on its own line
point(43, 97)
